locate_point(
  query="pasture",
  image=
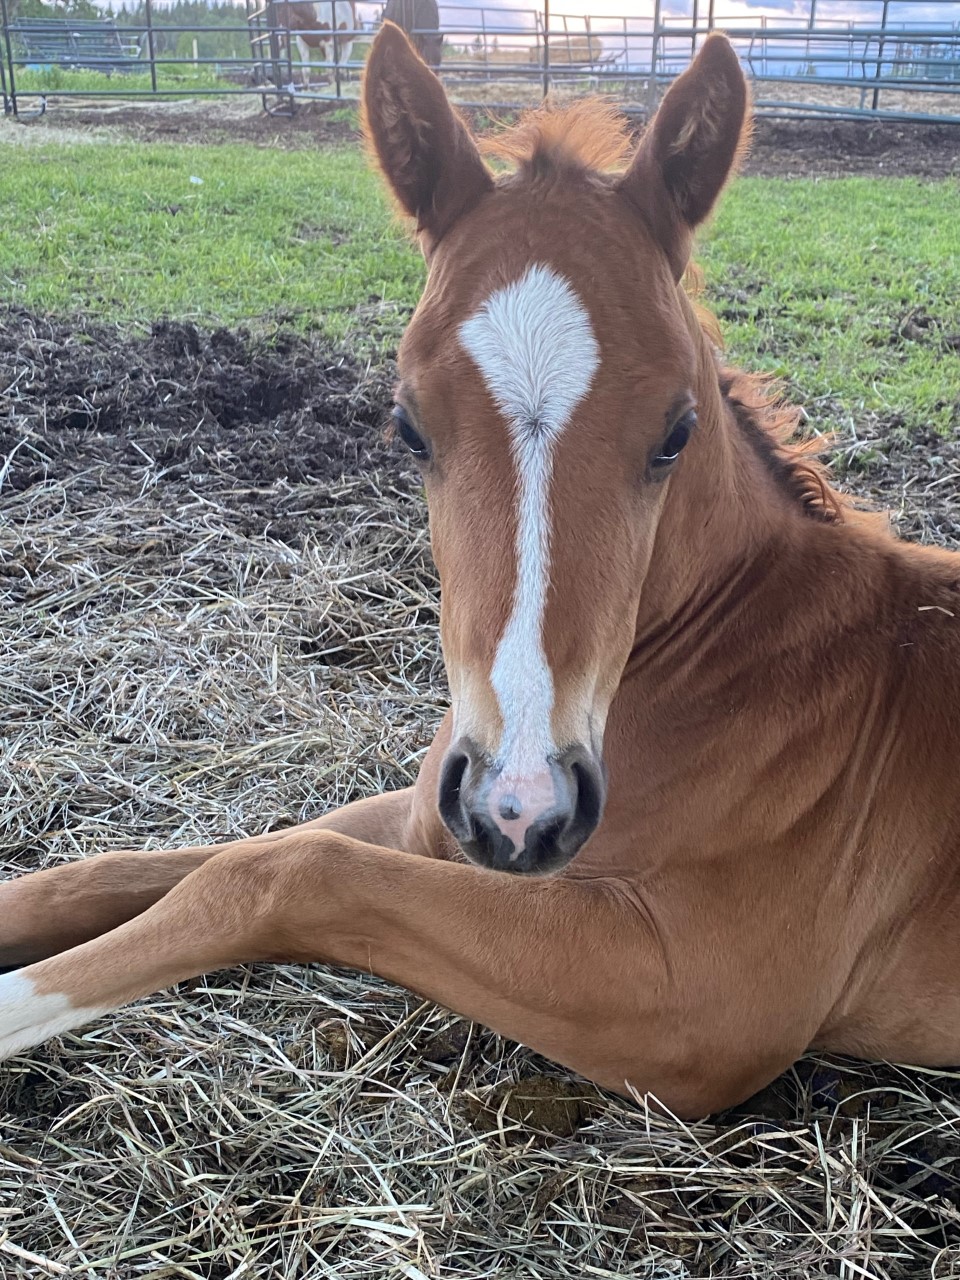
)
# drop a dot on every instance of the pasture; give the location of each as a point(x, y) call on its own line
point(218, 616)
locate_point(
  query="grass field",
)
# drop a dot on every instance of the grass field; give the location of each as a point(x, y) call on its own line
point(215, 234)
point(218, 613)
point(850, 288)
point(52, 80)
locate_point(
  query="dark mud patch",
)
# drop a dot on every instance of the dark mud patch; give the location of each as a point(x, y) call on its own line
point(836, 148)
point(315, 124)
point(780, 147)
point(267, 424)
point(917, 325)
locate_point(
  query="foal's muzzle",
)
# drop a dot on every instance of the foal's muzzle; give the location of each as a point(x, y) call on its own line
point(531, 826)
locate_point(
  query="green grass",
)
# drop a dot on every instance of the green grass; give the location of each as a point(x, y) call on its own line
point(52, 80)
point(813, 279)
point(128, 231)
point(848, 288)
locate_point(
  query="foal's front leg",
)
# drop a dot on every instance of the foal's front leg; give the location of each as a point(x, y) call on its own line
point(50, 911)
point(564, 966)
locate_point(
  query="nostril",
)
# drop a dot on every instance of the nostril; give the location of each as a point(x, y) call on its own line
point(589, 787)
point(549, 833)
point(452, 809)
point(558, 836)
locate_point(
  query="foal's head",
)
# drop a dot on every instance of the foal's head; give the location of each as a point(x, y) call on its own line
point(547, 388)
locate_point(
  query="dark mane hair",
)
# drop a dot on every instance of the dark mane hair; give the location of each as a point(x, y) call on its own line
point(772, 427)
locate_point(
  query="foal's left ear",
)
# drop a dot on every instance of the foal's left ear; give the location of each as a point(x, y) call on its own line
point(421, 144)
point(691, 148)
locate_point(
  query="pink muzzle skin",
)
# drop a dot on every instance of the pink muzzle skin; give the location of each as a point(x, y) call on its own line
point(531, 825)
point(515, 804)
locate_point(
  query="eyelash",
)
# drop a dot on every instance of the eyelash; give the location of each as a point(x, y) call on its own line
point(408, 434)
point(676, 441)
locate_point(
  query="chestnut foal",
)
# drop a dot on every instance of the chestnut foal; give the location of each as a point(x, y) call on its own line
point(696, 804)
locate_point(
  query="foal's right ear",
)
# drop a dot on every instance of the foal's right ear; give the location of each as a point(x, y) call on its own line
point(691, 148)
point(426, 154)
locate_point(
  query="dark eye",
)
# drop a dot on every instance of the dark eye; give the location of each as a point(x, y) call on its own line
point(411, 438)
point(675, 441)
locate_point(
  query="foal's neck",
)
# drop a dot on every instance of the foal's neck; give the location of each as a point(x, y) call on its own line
point(738, 553)
point(724, 521)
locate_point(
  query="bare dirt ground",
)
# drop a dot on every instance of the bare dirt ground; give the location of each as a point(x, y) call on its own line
point(218, 615)
point(780, 147)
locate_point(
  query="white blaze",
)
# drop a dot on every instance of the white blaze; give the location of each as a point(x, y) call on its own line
point(534, 344)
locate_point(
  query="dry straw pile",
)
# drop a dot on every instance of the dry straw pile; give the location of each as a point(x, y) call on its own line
point(218, 615)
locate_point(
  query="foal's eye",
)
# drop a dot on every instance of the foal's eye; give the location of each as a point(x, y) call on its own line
point(411, 438)
point(674, 444)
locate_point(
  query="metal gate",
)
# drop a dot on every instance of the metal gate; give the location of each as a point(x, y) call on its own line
point(882, 64)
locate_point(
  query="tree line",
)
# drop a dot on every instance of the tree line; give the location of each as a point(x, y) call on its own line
point(214, 37)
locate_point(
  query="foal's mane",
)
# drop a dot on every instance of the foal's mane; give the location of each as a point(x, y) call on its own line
point(588, 134)
point(593, 136)
point(772, 426)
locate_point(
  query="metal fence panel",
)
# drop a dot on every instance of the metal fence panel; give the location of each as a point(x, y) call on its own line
point(805, 62)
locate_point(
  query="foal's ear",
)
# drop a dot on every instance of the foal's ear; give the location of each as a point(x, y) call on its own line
point(421, 144)
point(691, 148)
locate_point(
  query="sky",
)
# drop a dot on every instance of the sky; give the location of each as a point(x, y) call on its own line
point(464, 16)
point(865, 12)
point(608, 18)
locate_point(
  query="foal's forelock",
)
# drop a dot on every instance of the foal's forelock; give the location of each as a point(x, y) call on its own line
point(535, 348)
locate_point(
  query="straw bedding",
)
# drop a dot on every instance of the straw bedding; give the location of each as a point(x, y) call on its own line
point(218, 615)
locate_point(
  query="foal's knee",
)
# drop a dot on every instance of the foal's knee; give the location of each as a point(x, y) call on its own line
point(261, 900)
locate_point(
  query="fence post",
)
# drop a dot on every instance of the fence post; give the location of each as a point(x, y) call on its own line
point(883, 28)
point(151, 48)
point(763, 42)
point(12, 97)
point(546, 47)
point(654, 40)
point(336, 46)
point(7, 104)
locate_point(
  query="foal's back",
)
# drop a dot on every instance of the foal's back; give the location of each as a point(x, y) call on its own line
point(911, 806)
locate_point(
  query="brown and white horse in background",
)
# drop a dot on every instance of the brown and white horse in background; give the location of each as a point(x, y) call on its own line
point(313, 24)
point(696, 804)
